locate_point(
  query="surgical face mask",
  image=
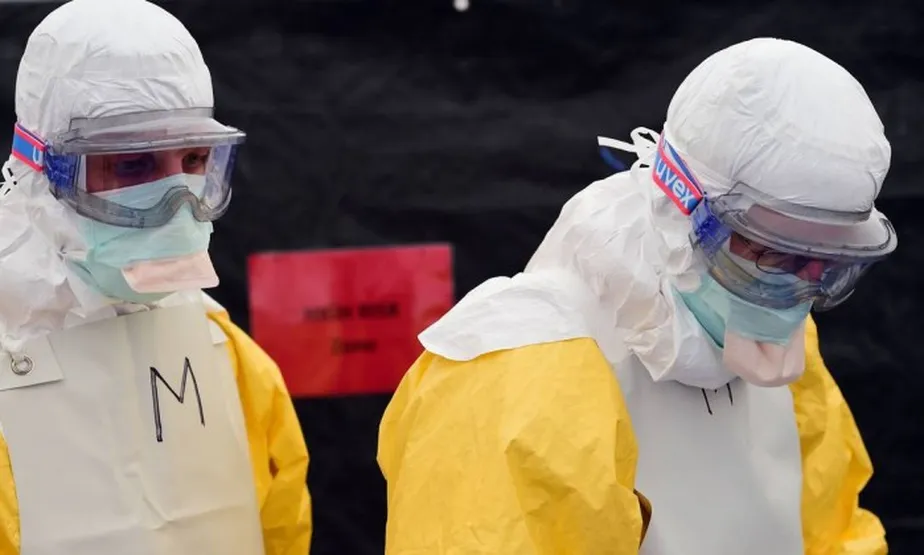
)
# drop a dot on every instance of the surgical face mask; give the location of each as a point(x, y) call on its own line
point(718, 310)
point(756, 340)
point(143, 265)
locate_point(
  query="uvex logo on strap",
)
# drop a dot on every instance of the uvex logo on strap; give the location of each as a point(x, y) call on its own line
point(28, 149)
point(675, 179)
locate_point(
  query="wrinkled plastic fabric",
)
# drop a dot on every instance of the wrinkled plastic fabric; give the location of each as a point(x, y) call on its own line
point(78, 65)
point(770, 113)
point(530, 451)
point(627, 243)
point(835, 464)
point(524, 451)
point(277, 448)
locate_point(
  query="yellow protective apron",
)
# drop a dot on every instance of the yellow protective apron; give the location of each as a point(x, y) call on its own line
point(126, 437)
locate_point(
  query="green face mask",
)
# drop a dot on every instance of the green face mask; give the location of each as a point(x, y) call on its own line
point(717, 310)
point(111, 248)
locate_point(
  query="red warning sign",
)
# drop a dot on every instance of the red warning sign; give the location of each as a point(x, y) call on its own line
point(345, 321)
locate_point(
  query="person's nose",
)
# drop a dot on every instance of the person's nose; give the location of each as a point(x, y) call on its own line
point(170, 163)
point(812, 271)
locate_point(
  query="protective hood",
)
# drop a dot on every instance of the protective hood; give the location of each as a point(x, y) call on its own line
point(87, 59)
point(783, 119)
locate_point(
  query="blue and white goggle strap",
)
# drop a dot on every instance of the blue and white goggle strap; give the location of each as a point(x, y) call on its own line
point(61, 170)
point(672, 175)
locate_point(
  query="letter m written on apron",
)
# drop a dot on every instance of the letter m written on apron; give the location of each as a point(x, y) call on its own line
point(156, 378)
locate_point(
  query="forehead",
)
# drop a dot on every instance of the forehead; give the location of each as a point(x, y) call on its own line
point(160, 152)
point(153, 154)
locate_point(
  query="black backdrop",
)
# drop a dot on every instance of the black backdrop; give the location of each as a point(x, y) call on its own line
point(381, 122)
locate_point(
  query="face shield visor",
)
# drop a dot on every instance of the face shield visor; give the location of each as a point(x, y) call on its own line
point(137, 170)
point(771, 252)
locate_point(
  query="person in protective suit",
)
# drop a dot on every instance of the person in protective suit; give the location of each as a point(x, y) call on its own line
point(652, 382)
point(135, 417)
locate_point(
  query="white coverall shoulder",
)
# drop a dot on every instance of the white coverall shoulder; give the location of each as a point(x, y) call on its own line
point(77, 64)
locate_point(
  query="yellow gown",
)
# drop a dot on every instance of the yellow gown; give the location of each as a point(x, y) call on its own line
point(531, 451)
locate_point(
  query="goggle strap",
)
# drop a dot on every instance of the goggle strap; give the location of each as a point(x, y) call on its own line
point(28, 148)
point(671, 174)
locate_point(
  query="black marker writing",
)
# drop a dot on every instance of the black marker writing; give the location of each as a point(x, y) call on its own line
point(155, 395)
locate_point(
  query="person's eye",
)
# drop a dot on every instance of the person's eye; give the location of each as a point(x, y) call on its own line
point(134, 166)
point(754, 247)
point(194, 162)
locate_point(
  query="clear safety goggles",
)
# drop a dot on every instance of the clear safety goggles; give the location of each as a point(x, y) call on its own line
point(163, 160)
point(771, 252)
